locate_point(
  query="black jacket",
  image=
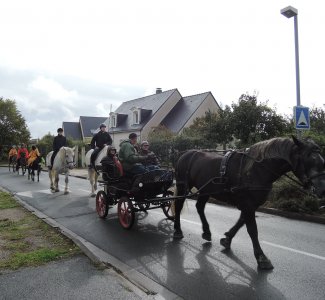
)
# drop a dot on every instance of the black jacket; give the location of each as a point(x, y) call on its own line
point(100, 139)
point(58, 142)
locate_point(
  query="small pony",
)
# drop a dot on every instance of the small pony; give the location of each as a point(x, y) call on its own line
point(34, 166)
point(92, 173)
point(63, 163)
point(12, 163)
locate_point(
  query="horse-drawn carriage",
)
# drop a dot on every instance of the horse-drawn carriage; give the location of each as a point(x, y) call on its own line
point(134, 193)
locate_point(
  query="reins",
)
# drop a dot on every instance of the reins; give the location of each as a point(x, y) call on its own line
point(300, 184)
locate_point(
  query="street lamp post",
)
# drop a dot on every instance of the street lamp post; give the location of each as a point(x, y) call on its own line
point(293, 12)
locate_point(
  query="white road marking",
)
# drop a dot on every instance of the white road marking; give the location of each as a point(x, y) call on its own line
point(294, 250)
point(28, 194)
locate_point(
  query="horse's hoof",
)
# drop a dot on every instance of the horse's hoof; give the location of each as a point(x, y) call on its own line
point(178, 234)
point(56, 190)
point(264, 263)
point(225, 242)
point(92, 195)
point(206, 236)
point(66, 192)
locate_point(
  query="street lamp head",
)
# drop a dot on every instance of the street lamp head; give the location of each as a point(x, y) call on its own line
point(289, 11)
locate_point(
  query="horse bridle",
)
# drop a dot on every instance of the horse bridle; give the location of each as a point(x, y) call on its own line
point(306, 183)
point(67, 163)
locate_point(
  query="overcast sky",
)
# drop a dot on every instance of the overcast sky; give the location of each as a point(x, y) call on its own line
point(63, 59)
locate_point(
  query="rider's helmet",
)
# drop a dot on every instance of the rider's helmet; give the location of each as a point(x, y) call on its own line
point(60, 130)
point(102, 125)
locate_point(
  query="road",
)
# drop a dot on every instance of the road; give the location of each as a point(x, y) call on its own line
point(191, 268)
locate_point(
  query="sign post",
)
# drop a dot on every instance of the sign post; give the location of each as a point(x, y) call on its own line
point(302, 120)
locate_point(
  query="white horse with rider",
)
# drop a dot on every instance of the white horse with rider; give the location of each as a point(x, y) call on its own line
point(92, 172)
point(63, 163)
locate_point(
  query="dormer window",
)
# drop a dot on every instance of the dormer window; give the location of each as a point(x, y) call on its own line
point(113, 120)
point(136, 115)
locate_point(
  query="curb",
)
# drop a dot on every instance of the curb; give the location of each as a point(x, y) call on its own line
point(292, 215)
point(143, 286)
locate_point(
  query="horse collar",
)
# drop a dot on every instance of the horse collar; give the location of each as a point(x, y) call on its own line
point(224, 163)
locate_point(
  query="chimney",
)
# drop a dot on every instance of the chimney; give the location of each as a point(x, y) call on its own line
point(158, 90)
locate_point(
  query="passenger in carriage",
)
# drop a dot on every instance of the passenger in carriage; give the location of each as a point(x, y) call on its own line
point(130, 159)
point(111, 159)
point(98, 142)
point(22, 152)
point(152, 162)
point(13, 152)
point(58, 142)
point(33, 155)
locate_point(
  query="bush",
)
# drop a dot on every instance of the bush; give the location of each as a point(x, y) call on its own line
point(286, 195)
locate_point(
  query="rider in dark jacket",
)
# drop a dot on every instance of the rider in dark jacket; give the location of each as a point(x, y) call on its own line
point(98, 142)
point(58, 142)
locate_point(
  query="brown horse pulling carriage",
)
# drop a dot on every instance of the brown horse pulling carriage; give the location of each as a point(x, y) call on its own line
point(133, 194)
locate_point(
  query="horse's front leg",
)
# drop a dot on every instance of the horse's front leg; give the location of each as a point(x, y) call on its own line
point(200, 205)
point(56, 181)
point(178, 234)
point(51, 176)
point(66, 180)
point(91, 176)
point(262, 261)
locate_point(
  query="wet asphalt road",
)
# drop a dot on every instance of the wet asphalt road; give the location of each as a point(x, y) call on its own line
point(192, 268)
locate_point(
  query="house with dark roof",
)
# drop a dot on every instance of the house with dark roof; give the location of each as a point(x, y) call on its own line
point(84, 129)
point(167, 108)
point(141, 115)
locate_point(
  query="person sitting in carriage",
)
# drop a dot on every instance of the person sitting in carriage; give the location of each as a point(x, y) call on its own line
point(131, 161)
point(22, 153)
point(152, 162)
point(98, 142)
point(13, 152)
point(33, 155)
point(112, 167)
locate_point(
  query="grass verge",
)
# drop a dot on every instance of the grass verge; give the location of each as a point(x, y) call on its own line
point(26, 240)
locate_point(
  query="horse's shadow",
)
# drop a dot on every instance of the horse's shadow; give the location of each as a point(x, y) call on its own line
point(206, 276)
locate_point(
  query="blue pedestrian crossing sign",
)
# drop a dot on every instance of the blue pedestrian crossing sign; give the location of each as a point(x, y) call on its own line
point(301, 115)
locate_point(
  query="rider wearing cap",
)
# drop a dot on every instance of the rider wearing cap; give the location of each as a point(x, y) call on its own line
point(98, 142)
point(58, 142)
point(130, 159)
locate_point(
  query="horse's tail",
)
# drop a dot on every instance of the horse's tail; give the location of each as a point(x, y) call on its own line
point(172, 207)
point(183, 169)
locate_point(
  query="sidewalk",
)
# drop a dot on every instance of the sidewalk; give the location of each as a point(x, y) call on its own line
point(81, 173)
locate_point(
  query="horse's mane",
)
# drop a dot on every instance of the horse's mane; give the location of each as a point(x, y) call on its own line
point(274, 148)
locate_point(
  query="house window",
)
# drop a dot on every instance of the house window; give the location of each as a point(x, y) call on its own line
point(136, 117)
point(113, 121)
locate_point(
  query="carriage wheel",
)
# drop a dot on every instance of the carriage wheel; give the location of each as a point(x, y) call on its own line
point(101, 204)
point(168, 207)
point(125, 212)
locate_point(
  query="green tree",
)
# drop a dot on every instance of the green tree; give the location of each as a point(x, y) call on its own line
point(13, 126)
point(253, 121)
point(317, 120)
point(45, 144)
